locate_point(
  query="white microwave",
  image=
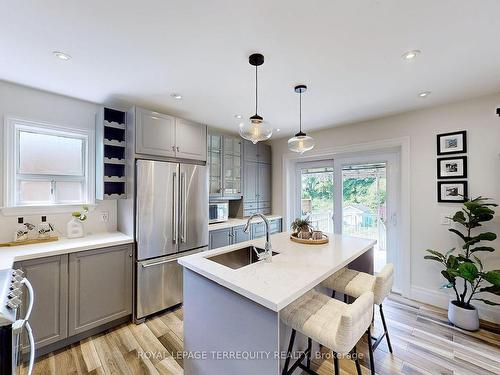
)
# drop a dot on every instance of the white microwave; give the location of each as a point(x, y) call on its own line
point(218, 211)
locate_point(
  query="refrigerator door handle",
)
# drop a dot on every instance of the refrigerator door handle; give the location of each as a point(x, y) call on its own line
point(183, 207)
point(175, 221)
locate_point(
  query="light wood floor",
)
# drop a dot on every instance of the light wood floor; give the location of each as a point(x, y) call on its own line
point(423, 341)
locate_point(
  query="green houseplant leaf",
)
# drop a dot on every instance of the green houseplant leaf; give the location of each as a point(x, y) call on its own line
point(493, 277)
point(468, 271)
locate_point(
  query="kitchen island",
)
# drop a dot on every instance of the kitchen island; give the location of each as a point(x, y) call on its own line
point(232, 309)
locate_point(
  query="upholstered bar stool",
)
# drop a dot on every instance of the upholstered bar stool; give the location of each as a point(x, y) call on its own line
point(333, 324)
point(354, 283)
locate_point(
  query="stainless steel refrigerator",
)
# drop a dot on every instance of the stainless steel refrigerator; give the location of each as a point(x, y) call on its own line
point(171, 222)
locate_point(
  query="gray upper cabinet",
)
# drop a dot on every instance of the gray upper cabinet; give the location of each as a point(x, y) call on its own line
point(162, 135)
point(263, 153)
point(49, 318)
point(155, 133)
point(251, 182)
point(265, 182)
point(224, 160)
point(214, 161)
point(190, 140)
point(100, 287)
point(250, 151)
point(257, 181)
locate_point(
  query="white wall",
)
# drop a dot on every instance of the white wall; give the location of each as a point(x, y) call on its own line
point(26, 103)
point(476, 116)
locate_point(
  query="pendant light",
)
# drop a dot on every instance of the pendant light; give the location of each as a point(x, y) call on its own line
point(256, 129)
point(301, 142)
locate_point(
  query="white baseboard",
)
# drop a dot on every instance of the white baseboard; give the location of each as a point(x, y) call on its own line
point(440, 298)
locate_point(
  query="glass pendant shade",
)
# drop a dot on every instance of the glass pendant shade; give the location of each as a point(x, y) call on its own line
point(255, 129)
point(301, 143)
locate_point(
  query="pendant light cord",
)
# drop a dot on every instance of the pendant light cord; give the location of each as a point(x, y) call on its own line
point(256, 88)
point(300, 111)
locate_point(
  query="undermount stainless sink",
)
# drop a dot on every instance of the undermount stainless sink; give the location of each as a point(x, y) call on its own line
point(238, 258)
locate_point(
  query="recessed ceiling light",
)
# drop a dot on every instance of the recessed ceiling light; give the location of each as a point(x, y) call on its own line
point(410, 55)
point(61, 55)
point(176, 96)
point(238, 116)
point(424, 94)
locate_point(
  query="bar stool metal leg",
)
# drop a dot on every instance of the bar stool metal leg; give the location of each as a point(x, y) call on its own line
point(356, 361)
point(309, 348)
point(335, 364)
point(385, 329)
point(289, 353)
point(370, 350)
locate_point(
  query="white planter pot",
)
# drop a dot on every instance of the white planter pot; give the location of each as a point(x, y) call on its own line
point(463, 318)
point(75, 228)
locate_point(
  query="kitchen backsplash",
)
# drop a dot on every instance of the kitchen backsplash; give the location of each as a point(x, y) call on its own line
point(93, 224)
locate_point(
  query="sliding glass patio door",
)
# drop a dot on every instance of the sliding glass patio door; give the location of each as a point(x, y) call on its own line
point(315, 202)
point(355, 196)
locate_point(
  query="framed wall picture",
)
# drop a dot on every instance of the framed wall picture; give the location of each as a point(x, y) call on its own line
point(452, 191)
point(452, 143)
point(452, 167)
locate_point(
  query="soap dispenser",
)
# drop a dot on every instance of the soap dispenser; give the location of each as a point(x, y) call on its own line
point(45, 229)
point(21, 230)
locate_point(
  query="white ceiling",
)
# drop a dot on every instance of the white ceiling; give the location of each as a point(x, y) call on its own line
point(347, 52)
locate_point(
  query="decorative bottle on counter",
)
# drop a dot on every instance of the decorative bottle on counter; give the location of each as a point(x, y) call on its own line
point(21, 230)
point(45, 229)
point(74, 228)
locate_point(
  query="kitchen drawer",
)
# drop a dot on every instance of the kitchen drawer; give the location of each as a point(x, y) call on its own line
point(251, 206)
point(247, 213)
point(264, 204)
point(159, 285)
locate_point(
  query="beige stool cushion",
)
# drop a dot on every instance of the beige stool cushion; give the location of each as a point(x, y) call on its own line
point(355, 283)
point(350, 282)
point(331, 323)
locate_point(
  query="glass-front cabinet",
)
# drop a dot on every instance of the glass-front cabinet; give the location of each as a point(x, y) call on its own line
point(215, 163)
point(224, 158)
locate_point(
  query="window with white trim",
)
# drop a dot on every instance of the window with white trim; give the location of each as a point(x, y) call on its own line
point(48, 165)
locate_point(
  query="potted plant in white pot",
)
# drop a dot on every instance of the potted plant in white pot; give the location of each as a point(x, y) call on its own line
point(301, 228)
point(464, 265)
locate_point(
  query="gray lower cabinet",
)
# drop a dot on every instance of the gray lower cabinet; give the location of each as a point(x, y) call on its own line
point(234, 235)
point(259, 229)
point(239, 235)
point(77, 292)
point(100, 287)
point(219, 238)
point(49, 318)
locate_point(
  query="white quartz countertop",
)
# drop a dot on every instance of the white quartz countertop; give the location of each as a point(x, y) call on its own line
point(295, 270)
point(234, 222)
point(9, 255)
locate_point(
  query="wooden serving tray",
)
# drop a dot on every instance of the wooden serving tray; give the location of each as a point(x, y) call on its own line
point(29, 242)
point(310, 241)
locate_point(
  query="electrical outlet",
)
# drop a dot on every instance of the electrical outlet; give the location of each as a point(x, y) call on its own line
point(445, 220)
point(104, 216)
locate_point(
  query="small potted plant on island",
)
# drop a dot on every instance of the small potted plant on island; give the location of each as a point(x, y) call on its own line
point(465, 266)
point(301, 228)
